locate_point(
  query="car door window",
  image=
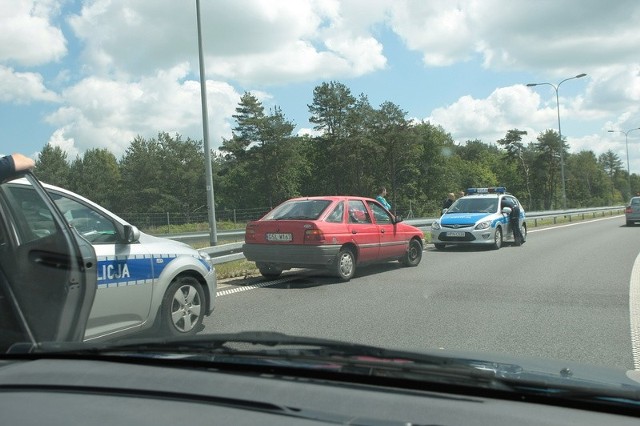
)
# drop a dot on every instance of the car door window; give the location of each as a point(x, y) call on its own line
point(93, 225)
point(358, 212)
point(337, 214)
point(381, 216)
point(33, 219)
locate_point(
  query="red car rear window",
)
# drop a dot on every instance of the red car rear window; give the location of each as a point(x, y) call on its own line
point(298, 210)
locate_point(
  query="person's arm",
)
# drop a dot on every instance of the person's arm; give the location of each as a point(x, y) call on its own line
point(22, 162)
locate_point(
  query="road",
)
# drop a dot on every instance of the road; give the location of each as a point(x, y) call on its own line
point(563, 295)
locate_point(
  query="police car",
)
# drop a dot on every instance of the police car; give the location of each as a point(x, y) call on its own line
point(142, 281)
point(480, 217)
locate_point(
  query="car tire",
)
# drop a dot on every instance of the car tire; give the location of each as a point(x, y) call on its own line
point(630, 223)
point(269, 271)
point(523, 231)
point(414, 254)
point(183, 307)
point(497, 239)
point(439, 246)
point(345, 264)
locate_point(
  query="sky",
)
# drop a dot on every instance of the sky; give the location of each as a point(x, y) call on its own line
point(97, 73)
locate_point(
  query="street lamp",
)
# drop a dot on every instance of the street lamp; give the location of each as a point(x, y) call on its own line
point(213, 233)
point(556, 87)
point(626, 142)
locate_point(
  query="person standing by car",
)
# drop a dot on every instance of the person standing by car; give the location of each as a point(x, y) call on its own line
point(449, 200)
point(382, 192)
point(514, 219)
point(9, 164)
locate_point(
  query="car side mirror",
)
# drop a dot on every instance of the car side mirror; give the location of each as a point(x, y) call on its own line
point(444, 211)
point(131, 234)
point(398, 219)
point(506, 210)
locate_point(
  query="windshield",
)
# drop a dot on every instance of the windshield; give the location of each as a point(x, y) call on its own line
point(474, 205)
point(288, 172)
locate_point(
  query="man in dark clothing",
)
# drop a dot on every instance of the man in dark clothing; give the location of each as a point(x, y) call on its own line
point(514, 221)
point(450, 199)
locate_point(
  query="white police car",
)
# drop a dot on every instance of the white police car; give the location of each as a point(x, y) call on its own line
point(480, 217)
point(142, 281)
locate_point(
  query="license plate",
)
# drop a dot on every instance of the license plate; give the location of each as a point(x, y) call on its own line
point(279, 237)
point(455, 234)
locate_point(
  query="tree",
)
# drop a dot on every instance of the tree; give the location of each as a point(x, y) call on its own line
point(276, 158)
point(96, 176)
point(547, 165)
point(262, 154)
point(590, 185)
point(397, 145)
point(330, 108)
point(52, 166)
point(612, 166)
point(249, 117)
point(331, 112)
point(515, 153)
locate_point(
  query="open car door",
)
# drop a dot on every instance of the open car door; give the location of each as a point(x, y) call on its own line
point(47, 271)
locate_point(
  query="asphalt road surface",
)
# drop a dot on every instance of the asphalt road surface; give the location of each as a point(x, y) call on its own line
point(565, 295)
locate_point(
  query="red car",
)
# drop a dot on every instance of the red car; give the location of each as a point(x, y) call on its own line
point(333, 232)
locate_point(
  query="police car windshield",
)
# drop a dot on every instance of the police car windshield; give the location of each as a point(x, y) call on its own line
point(474, 205)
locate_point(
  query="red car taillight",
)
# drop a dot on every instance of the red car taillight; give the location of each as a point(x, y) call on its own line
point(313, 236)
point(249, 235)
point(628, 210)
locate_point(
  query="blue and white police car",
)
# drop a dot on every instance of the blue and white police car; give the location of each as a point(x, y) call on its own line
point(143, 282)
point(479, 217)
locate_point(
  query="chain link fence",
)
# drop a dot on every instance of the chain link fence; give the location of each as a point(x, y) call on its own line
point(166, 219)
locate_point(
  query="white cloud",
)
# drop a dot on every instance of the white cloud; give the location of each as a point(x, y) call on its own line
point(106, 113)
point(549, 36)
point(28, 36)
point(23, 87)
point(489, 119)
point(250, 41)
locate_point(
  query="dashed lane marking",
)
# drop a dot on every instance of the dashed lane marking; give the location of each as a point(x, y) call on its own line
point(634, 312)
point(240, 289)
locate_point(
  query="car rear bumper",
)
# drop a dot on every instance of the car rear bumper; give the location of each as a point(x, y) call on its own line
point(293, 255)
point(632, 217)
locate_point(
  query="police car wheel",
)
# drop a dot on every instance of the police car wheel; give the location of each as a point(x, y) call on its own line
point(345, 264)
point(182, 308)
point(414, 254)
point(497, 240)
point(523, 231)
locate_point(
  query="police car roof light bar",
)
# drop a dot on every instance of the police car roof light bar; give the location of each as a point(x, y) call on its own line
point(490, 190)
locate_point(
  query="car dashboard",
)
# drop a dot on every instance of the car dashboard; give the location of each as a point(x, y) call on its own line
point(99, 392)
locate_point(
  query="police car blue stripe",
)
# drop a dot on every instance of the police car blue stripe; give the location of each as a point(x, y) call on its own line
point(120, 271)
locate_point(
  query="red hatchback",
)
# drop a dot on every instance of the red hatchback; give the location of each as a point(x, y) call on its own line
point(332, 232)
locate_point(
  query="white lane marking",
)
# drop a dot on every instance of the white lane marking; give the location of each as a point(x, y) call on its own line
point(572, 224)
point(227, 292)
point(634, 312)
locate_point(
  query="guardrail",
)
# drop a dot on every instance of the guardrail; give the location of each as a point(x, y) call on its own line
point(229, 252)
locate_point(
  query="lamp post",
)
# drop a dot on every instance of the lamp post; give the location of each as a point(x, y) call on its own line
point(556, 87)
point(626, 142)
point(213, 234)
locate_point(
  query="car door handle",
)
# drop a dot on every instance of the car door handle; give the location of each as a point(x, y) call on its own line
point(354, 231)
point(382, 230)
